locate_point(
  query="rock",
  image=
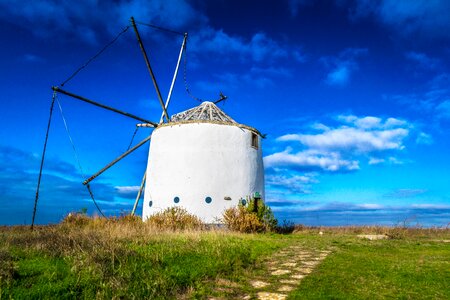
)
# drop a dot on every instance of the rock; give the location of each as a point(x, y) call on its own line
point(373, 237)
point(285, 288)
point(259, 284)
point(271, 296)
point(280, 272)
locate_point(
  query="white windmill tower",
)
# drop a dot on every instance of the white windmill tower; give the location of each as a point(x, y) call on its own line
point(204, 161)
point(200, 159)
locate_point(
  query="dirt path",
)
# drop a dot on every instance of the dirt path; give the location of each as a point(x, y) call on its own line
point(284, 271)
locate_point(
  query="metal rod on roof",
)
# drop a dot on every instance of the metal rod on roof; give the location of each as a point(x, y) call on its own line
point(139, 193)
point(147, 62)
point(183, 45)
point(116, 160)
point(57, 89)
point(222, 97)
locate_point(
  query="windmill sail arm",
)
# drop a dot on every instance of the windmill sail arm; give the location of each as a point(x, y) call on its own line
point(183, 46)
point(57, 89)
point(116, 160)
point(152, 75)
point(141, 188)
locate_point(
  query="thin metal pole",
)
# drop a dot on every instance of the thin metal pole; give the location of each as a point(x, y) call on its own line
point(93, 200)
point(175, 75)
point(139, 193)
point(57, 89)
point(144, 53)
point(42, 159)
point(116, 160)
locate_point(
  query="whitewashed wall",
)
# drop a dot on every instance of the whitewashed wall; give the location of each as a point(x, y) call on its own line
point(199, 160)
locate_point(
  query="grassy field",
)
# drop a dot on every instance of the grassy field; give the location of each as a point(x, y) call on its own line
point(416, 266)
point(128, 259)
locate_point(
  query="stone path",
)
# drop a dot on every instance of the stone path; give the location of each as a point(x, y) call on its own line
point(284, 272)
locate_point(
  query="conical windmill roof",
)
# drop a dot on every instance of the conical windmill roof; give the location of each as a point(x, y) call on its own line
point(207, 111)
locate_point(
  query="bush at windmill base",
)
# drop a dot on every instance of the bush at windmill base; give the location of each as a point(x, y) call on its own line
point(175, 218)
point(248, 218)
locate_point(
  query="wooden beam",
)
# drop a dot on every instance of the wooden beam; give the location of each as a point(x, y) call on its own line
point(183, 46)
point(57, 89)
point(116, 160)
point(139, 193)
point(147, 62)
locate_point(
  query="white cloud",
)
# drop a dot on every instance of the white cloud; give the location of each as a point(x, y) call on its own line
point(395, 161)
point(406, 193)
point(428, 18)
point(423, 60)
point(443, 109)
point(376, 161)
point(424, 138)
point(87, 19)
point(368, 122)
point(431, 206)
point(310, 160)
point(257, 76)
point(393, 122)
point(355, 139)
point(320, 126)
point(339, 149)
point(340, 75)
point(295, 183)
point(391, 160)
point(299, 56)
point(367, 134)
point(433, 102)
point(344, 206)
point(127, 191)
point(258, 48)
point(32, 58)
point(370, 206)
point(341, 67)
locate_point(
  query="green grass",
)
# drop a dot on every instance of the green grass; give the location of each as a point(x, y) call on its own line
point(128, 259)
point(61, 263)
point(408, 268)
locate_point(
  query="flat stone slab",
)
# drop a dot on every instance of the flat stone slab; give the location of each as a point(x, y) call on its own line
point(284, 272)
point(309, 264)
point(305, 270)
point(271, 296)
point(281, 272)
point(289, 264)
point(258, 284)
point(289, 281)
point(286, 288)
point(373, 237)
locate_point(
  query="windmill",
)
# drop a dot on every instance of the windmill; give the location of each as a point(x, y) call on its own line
point(200, 159)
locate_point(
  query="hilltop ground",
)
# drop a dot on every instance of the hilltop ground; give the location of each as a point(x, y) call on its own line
point(129, 259)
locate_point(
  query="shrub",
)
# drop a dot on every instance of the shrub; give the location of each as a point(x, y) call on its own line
point(255, 216)
point(76, 219)
point(175, 218)
point(286, 227)
point(240, 219)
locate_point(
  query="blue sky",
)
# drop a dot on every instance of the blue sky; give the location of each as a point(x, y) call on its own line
point(354, 97)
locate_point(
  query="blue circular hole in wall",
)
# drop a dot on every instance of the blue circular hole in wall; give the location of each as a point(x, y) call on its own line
point(208, 199)
point(176, 199)
point(244, 202)
point(150, 203)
